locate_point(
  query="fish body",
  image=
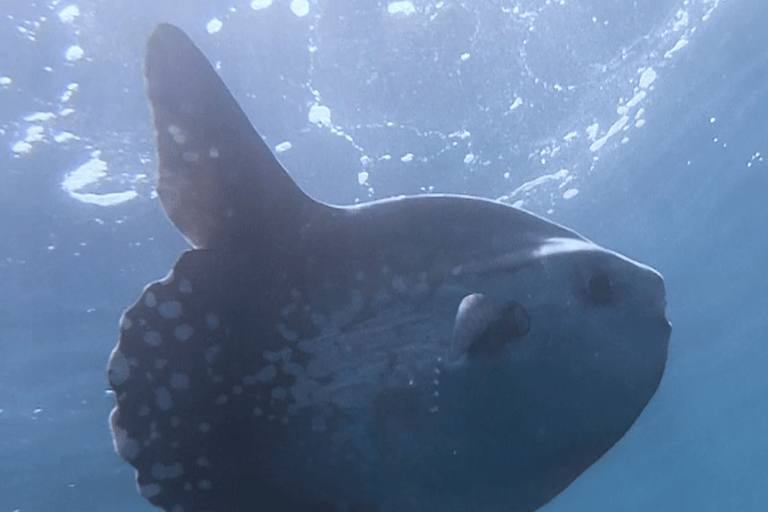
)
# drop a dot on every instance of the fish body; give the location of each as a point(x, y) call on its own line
point(429, 353)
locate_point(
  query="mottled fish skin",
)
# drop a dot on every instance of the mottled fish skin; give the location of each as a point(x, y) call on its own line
point(420, 354)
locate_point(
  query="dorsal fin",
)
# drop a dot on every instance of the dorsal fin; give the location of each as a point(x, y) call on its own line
point(218, 181)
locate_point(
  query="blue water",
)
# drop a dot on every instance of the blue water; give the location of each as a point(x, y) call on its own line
point(640, 124)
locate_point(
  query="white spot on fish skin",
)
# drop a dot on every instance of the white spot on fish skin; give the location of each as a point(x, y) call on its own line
point(318, 424)
point(183, 332)
point(185, 286)
point(170, 309)
point(287, 333)
point(399, 285)
point(279, 393)
point(149, 490)
point(119, 369)
point(160, 471)
point(221, 399)
point(160, 363)
point(203, 462)
point(420, 289)
point(177, 134)
point(187, 487)
point(152, 338)
point(211, 353)
point(318, 319)
point(190, 156)
point(213, 153)
point(211, 321)
point(266, 374)
point(294, 369)
point(258, 412)
point(237, 390)
point(125, 323)
point(205, 485)
point(175, 422)
point(163, 398)
point(143, 411)
point(126, 447)
point(277, 356)
point(179, 381)
point(204, 427)
point(149, 300)
point(178, 507)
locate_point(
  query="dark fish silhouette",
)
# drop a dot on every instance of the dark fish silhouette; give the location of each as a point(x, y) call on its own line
point(436, 353)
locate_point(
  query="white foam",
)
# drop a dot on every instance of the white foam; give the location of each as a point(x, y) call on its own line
point(89, 174)
point(636, 99)
point(22, 148)
point(257, 5)
point(65, 137)
point(283, 147)
point(40, 117)
point(679, 45)
point(69, 13)
point(613, 130)
point(35, 134)
point(214, 25)
point(404, 7)
point(647, 78)
point(71, 89)
point(320, 115)
point(300, 8)
point(571, 192)
point(74, 53)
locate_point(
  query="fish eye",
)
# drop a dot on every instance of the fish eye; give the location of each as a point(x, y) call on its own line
point(599, 288)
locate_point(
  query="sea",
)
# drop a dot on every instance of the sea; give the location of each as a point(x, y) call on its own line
point(642, 124)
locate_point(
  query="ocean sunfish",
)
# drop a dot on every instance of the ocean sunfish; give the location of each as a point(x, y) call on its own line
point(436, 353)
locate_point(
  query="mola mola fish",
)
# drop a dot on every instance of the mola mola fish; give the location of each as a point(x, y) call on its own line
point(419, 354)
